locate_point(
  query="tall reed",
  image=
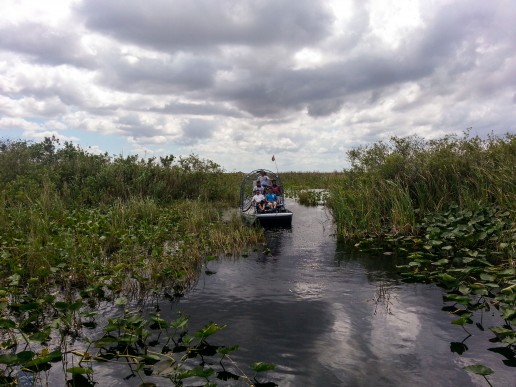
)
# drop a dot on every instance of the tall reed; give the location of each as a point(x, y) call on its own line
point(392, 185)
point(72, 218)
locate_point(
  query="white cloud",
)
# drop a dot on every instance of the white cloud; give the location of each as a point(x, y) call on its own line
point(303, 80)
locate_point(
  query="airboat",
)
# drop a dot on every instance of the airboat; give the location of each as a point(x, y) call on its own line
point(279, 215)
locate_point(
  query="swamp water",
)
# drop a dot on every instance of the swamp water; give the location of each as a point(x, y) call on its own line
point(327, 315)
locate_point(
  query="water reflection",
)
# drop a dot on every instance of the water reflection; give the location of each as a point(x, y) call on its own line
point(328, 316)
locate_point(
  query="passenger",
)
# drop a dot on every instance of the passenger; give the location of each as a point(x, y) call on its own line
point(258, 186)
point(259, 200)
point(271, 199)
point(264, 179)
point(275, 188)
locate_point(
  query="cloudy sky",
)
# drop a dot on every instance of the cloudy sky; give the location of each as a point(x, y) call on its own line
point(236, 81)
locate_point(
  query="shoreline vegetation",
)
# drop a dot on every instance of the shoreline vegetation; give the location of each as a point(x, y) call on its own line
point(77, 229)
point(448, 207)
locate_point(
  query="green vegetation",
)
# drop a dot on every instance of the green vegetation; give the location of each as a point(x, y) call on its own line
point(297, 181)
point(448, 206)
point(391, 186)
point(312, 197)
point(78, 229)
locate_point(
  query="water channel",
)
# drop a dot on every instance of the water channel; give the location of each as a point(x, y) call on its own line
point(327, 315)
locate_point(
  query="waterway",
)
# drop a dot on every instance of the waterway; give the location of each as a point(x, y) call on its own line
point(328, 315)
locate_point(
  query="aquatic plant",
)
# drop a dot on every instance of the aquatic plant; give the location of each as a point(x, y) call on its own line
point(144, 342)
point(470, 254)
point(78, 230)
point(448, 206)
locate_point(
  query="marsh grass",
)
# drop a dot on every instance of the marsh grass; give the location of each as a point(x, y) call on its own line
point(74, 220)
point(78, 229)
point(392, 185)
point(447, 208)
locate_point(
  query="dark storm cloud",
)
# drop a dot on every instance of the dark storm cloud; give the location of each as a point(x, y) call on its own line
point(321, 90)
point(437, 55)
point(263, 83)
point(50, 46)
point(198, 109)
point(172, 24)
point(167, 75)
point(196, 130)
point(131, 124)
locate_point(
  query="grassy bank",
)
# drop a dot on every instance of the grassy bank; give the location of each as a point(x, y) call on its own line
point(78, 230)
point(392, 186)
point(448, 206)
point(62, 207)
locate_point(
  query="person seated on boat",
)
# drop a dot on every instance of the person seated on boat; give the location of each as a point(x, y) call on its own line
point(258, 187)
point(276, 189)
point(271, 199)
point(264, 179)
point(259, 200)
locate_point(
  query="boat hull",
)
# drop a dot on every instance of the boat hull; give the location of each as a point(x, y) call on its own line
point(269, 219)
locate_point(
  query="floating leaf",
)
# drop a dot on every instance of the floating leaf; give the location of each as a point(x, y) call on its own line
point(209, 330)
point(75, 306)
point(501, 332)
point(479, 369)
point(487, 277)
point(509, 289)
point(197, 371)
point(8, 358)
point(40, 336)
point(25, 356)
point(509, 313)
point(79, 371)
point(446, 277)
point(464, 289)
point(7, 324)
point(128, 339)
point(52, 357)
point(151, 359)
point(462, 320)
point(262, 366)
point(61, 305)
point(105, 341)
point(460, 299)
point(481, 292)
point(179, 323)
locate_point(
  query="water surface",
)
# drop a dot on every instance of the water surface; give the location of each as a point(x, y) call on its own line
point(327, 315)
